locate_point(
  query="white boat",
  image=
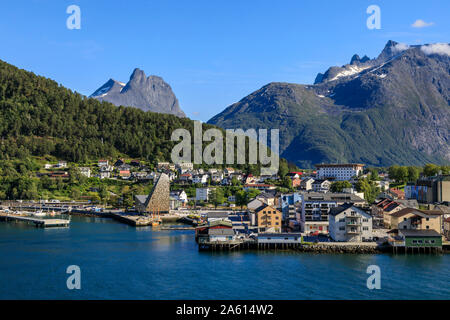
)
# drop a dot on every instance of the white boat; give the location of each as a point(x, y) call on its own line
point(39, 213)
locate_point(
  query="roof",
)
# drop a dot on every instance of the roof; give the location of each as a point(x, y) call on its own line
point(330, 196)
point(213, 214)
point(336, 210)
point(403, 212)
point(141, 198)
point(221, 232)
point(419, 233)
point(279, 235)
point(339, 165)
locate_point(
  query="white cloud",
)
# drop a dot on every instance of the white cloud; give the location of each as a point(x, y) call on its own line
point(437, 48)
point(419, 23)
point(401, 47)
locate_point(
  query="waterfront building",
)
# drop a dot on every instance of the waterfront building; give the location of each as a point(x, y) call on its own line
point(419, 239)
point(316, 206)
point(420, 220)
point(350, 224)
point(290, 205)
point(339, 171)
point(158, 201)
point(281, 238)
point(267, 219)
point(221, 235)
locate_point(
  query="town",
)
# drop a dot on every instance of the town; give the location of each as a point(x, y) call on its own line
point(334, 208)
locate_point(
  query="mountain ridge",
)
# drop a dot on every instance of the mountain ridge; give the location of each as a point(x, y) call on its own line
point(394, 109)
point(150, 93)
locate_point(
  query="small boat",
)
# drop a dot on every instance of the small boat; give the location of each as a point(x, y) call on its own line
point(39, 213)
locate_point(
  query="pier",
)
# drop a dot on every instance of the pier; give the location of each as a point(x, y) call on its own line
point(43, 223)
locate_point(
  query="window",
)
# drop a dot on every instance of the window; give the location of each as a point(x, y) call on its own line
point(428, 227)
point(365, 228)
point(414, 241)
point(428, 219)
point(342, 228)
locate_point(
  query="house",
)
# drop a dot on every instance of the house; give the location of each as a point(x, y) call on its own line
point(119, 163)
point(61, 164)
point(185, 166)
point(268, 198)
point(419, 239)
point(228, 171)
point(296, 182)
point(217, 176)
point(339, 172)
point(202, 194)
point(396, 194)
point(56, 175)
point(221, 235)
point(185, 178)
point(267, 219)
point(48, 166)
point(279, 238)
point(125, 174)
point(102, 163)
point(179, 195)
point(85, 171)
point(200, 178)
point(321, 185)
point(293, 175)
point(306, 184)
point(254, 204)
point(384, 209)
point(349, 223)
point(231, 199)
point(383, 185)
point(420, 220)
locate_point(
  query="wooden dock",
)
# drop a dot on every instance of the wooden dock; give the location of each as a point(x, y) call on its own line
point(38, 222)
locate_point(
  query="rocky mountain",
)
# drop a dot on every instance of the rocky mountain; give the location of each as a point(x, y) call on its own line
point(393, 109)
point(147, 93)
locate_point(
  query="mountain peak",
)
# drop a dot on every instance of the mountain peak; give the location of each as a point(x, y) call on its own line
point(147, 93)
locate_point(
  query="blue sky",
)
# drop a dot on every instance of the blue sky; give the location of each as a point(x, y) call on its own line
point(212, 53)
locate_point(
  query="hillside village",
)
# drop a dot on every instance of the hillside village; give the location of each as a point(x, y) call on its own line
point(344, 203)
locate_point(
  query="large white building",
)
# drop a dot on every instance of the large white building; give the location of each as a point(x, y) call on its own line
point(349, 223)
point(202, 194)
point(339, 172)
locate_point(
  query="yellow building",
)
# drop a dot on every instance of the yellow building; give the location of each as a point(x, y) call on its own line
point(417, 219)
point(268, 219)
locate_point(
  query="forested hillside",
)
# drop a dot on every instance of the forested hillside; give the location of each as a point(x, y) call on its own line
point(39, 117)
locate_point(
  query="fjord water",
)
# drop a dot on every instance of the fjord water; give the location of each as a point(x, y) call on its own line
point(121, 262)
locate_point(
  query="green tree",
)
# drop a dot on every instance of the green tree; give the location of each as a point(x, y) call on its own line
point(339, 186)
point(217, 197)
point(430, 170)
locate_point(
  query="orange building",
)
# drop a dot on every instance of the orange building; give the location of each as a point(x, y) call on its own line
point(268, 219)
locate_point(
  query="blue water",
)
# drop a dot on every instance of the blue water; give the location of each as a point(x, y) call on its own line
point(122, 262)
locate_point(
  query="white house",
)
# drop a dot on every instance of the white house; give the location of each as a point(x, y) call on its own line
point(61, 164)
point(86, 171)
point(306, 183)
point(202, 194)
point(321, 185)
point(200, 178)
point(339, 171)
point(349, 223)
point(179, 195)
point(102, 163)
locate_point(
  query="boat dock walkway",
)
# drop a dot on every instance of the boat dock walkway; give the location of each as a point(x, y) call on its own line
point(44, 223)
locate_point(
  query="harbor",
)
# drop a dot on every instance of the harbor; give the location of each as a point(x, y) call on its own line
point(38, 222)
